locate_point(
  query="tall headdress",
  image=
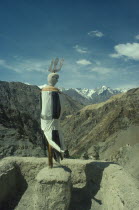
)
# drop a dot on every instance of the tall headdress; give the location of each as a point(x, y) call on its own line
point(54, 65)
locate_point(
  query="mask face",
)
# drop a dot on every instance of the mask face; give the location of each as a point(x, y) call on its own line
point(53, 79)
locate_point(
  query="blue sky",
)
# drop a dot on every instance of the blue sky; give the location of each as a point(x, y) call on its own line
point(98, 39)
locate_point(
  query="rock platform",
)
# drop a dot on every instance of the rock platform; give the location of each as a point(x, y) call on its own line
point(28, 183)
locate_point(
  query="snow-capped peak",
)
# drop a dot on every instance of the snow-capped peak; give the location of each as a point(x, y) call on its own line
point(123, 90)
point(42, 86)
point(87, 93)
point(104, 88)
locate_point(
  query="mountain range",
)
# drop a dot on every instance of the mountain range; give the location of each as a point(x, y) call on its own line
point(90, 96)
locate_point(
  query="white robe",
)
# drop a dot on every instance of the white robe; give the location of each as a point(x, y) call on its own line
point(48, 124)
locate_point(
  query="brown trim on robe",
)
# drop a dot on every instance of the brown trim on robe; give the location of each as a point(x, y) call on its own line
point(50, 88)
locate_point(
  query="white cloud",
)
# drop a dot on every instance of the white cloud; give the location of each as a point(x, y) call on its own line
point(102, 70)
point(137, 36)
point(81, 50)
point(96, 34)
point(83, 62)
point(114, 55)
point(26, 65)
point(98, 63)
point(129, 50)
point(2, 62)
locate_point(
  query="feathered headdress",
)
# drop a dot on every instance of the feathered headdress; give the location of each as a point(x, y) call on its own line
point(53, 67)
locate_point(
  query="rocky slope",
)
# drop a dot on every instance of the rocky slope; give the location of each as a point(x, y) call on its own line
point(20, 132)
point(108, 130)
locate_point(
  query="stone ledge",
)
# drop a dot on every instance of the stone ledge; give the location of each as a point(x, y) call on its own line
point(56, 174)
point(103, 183)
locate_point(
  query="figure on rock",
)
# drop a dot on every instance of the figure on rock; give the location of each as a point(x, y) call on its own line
point(52, 109)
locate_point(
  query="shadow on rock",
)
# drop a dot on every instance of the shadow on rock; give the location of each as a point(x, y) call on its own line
point(64, 167)
point(81, 197)
point(16, 185)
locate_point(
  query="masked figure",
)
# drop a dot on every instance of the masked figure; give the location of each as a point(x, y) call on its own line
point(52, 109)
